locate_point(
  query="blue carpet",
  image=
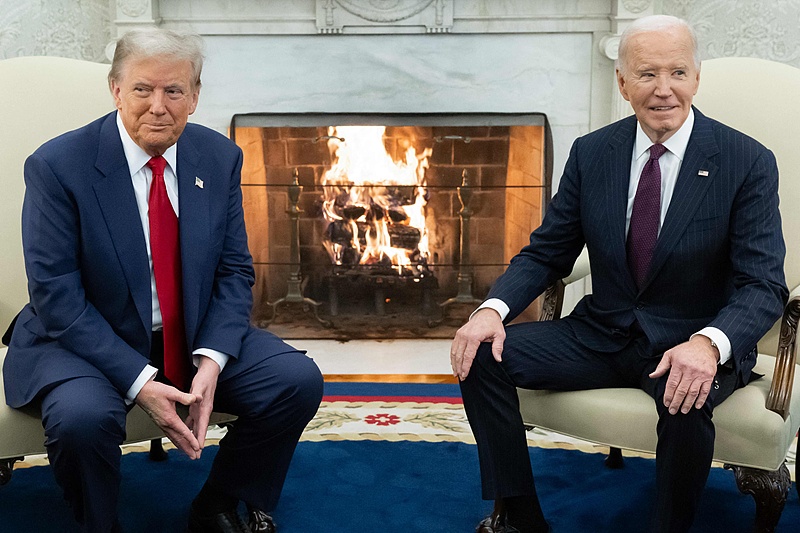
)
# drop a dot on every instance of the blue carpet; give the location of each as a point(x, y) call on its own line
point(388, 487)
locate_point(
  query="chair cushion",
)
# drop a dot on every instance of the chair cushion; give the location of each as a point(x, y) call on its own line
point(21, 431)
point(747, 433)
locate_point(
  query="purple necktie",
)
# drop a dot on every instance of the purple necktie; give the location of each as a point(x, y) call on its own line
point(645, 217)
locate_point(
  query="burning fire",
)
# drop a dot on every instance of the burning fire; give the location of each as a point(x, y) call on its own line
point(374, 205)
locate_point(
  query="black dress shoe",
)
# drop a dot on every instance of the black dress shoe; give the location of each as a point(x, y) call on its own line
point(225, 522)
point(495, 524)
point(261, 522)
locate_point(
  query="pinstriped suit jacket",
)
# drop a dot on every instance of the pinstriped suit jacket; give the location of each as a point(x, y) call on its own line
point(718, 260)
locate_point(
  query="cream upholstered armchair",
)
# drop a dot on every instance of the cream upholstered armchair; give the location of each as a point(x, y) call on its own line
point(41, 97)
point(756, 425)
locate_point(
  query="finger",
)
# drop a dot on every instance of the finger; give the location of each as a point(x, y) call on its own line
point(201, 428)
point(497, 349)
point(455, 360)
point(704, 392)
point(680, 395)
point(184, 398)
point(184, 440)
point(662, 368)
point(672, 386)
point(466, 360)
point(691, 397)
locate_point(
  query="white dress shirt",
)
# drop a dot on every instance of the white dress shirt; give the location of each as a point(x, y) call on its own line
point(142, 177)
point(670, 164)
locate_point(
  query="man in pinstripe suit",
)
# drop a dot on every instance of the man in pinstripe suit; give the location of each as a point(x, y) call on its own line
point(679, 317)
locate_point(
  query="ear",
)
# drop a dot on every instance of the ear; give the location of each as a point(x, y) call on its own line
point(697, 81)
point(622, 86)
point(116, 93)
point(195, 100)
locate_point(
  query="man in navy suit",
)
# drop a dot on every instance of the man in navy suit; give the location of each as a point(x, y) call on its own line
point(680, 217)
point(90, 342)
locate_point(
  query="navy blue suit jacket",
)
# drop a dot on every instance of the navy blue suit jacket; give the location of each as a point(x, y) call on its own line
point(86, 260)
point(719, 256)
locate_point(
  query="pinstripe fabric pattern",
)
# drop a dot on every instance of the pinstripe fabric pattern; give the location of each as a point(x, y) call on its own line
point(718, 260)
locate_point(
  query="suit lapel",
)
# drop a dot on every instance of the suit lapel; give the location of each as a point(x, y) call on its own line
point(194, 227)
point(698, 169)
point(117, 202)
point(617, 167)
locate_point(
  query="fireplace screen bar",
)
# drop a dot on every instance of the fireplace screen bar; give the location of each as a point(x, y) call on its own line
point(362, 221)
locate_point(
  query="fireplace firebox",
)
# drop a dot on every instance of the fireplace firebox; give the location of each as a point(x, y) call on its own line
point(386, 224)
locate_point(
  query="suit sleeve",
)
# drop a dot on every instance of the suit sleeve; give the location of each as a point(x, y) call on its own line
point(553, 247)
point(51, 246)
point(757, 253)
point(227, 317)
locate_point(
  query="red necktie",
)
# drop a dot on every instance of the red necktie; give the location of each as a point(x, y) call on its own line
point(166, 251)
point(646, 216)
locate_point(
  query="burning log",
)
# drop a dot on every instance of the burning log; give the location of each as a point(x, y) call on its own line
point(374, 204)
point(406, 237)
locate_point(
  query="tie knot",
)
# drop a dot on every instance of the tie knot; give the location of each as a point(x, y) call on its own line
point(656, 151)
point(158, 164)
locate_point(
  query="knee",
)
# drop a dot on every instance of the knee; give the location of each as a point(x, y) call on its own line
point(484, 361)
point(694, 420)
point(306, 385)
point(298, 392)
point(84, 425)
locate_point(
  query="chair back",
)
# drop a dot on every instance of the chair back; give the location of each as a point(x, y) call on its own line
point(760, 98)
point(40, 97)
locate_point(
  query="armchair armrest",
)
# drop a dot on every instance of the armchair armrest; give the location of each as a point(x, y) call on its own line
point(554, 295)
point(780, 392)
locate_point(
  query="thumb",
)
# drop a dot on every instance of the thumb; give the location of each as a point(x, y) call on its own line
point(184, 398)
point(497, 349)
point(662, 368)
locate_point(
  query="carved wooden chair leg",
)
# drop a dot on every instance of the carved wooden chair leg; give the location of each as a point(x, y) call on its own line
point(797, 468)
point(7, 468)
point(157, 452)
point(769, 490)
point(614, 459)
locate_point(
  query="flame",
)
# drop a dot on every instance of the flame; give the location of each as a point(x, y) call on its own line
point(366, 186)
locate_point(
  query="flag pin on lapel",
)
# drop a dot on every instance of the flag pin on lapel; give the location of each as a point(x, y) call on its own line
point(699, 173)
point(199, 183)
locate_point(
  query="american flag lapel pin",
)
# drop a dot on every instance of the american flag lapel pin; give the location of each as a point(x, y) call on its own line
point(199, 183)
point(699, 173)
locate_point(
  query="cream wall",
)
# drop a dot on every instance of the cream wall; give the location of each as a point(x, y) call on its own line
point(79, 29)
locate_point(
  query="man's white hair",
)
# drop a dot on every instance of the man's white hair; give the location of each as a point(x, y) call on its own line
point(654, 23)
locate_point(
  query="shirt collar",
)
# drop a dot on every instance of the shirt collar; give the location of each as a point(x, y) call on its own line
point(138, 158)
point(676, 144)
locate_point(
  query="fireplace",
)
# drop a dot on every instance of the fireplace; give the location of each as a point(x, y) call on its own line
point(376, 204)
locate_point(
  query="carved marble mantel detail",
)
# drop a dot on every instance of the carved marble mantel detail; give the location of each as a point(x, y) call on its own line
point(384, 16)
point(132, 14)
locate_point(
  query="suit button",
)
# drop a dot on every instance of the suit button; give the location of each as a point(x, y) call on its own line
point(639, 307)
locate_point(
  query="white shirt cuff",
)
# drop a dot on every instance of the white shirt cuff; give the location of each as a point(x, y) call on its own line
point(218, 357)
point(496, 304)
point(147, 373)
point(720, 339)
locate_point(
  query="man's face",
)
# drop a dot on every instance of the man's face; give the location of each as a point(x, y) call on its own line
point(155, 96)
point(659, 79)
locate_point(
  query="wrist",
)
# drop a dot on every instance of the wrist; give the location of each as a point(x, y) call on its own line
point(710, 344)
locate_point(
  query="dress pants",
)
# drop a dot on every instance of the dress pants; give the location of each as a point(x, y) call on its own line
point(273, 389)
point(547, 355)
